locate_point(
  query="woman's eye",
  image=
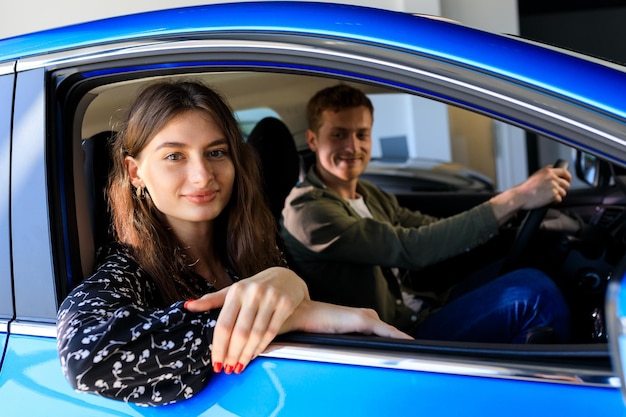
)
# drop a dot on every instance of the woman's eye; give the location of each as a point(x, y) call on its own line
point(173, 157)
point(217, 153)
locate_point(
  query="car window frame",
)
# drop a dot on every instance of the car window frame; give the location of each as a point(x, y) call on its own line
point(74, 74)
point(404, 70)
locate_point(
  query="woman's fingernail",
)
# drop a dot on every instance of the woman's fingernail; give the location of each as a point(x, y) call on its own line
point(228, 369)
point(186, 305)
point(217, 367)
point(238, 368)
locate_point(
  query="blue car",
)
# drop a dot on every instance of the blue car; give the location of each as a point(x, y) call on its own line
point(63, 91)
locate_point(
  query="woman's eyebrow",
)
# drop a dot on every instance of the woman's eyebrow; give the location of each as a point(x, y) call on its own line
point(173, 144)
point(221, 141)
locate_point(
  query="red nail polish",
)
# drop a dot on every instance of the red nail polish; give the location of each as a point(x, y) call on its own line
point(238, 368)
point(217, 367)
point(228, 369)
point(186, 305)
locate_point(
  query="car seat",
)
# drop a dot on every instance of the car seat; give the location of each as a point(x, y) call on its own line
point(97, 166)
point(280, 162)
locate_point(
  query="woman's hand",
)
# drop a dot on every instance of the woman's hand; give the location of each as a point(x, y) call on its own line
point(253, 312)
point(273, 302)
point(319, 317)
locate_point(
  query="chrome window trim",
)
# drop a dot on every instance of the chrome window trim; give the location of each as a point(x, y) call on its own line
point(7, 67)
point(25, 328)
point(432, 364)
point(86, 55)
point(401, 361)
point(500, 91)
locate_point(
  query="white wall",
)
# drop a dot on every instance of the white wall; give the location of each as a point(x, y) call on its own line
point(423, 122)
point(498, 16)
point(19, 17)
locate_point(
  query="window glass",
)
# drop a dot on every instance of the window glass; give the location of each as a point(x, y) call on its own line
point(250, 117)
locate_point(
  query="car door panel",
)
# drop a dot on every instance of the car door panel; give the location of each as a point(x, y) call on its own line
point(30, 222)
point(282, 387)
point(37, 387)
point(6, 290)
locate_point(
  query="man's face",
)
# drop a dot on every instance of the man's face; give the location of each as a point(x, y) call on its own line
point(342, 144)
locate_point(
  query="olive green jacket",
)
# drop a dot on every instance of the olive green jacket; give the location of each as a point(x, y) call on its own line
point(343, 257)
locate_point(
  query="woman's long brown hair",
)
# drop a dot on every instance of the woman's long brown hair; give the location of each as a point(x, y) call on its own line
point(245, 232)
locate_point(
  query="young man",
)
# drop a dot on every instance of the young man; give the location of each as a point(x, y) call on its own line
point(350, 240)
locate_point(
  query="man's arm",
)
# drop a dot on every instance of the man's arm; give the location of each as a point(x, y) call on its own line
point(330, 232)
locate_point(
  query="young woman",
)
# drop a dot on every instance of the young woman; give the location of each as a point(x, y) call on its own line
point(190, 224)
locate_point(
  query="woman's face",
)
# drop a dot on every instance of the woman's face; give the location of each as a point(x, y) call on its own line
point(187, 169)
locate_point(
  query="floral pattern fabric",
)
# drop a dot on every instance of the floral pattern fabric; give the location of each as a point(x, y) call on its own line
point(114, 341)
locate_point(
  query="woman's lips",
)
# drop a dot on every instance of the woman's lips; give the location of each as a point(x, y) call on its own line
point(201, 198)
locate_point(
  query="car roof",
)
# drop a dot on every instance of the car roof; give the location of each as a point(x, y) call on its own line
point(586, 82)
point(595, 85)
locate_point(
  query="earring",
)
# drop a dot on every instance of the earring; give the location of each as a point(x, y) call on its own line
point(139, 193)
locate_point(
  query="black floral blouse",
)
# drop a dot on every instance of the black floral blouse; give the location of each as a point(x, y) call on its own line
point(113, 341)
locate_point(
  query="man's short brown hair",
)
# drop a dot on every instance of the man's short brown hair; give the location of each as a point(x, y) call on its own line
point(335, 98)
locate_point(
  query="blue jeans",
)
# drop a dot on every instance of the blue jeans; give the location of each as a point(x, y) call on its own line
point(500, 310)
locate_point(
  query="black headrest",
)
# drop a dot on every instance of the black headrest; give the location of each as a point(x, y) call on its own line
point(280, 162)
point(97, 169)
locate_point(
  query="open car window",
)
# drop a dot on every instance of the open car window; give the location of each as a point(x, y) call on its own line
point(472, 140)
point(483, 123)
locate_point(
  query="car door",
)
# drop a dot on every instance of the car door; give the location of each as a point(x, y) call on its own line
point(337, 367)
point(299, 375)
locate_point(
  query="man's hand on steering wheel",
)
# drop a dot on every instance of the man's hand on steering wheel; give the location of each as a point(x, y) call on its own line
point(546, 186)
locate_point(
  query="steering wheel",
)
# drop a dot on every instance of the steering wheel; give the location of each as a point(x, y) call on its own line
point(527, 229)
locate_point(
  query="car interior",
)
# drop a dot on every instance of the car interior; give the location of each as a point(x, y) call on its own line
point(578, 243)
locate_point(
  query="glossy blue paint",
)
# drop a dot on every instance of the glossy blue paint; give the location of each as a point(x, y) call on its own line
point(32, 370)
point(284, 388)
point(498, 54)
point(296, 388)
